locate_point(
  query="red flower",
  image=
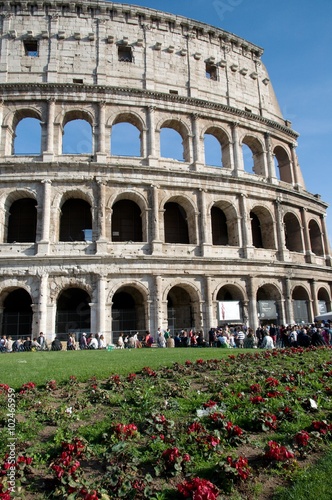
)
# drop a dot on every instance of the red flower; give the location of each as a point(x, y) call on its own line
point(257, 399)
point(277, 452)
point(302, 438)
point(198, 489)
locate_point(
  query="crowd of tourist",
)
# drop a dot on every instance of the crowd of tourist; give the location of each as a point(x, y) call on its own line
point(265, 337)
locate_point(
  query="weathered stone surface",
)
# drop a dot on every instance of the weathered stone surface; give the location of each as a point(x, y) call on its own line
point(110, 63)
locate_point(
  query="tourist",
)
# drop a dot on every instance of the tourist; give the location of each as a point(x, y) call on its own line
point(71, 343)
point(267, 342)
point(56, 345)
point(94, 342)
point(42, 342)
point(101, 342)
point(82, 342)
point(120, 342)
point(35, 344)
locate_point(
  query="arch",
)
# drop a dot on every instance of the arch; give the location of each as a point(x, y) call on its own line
point(22, 221)
point(126, 221)
point(268, 298)
point(257, 164)
point(28, 136)
point(75, 220)
point(315, 238)
point(174, 140)
point(300, 297)
point(17, 313)
point(283, 164)
point(262, 228)
point(77, 132)
point(217, 147)
point(175, 223)
point(129, 311)
point(234, 311)
point(182, 307)
point(72, 311)
point(125, 140)
point(324, 300)
point(219, 227)
point(292, 228)
point(224, 224)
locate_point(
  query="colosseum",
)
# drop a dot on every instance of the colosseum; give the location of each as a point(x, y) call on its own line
point(135, 226)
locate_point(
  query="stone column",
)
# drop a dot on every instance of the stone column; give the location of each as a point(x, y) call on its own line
point(52, 67)
point(101, 310)
point(49, 153)
point(205, 223)
point(158, 305)
point(269, 158)
point(101, 242)
point(295, 166)
point(155, 221)
point(288, 301)
point(209, 319)
point(43, 244)
point(280, 230)
point(252, 298)
point(305, 228)
point(101, 153)
point(327, 250)
point(237, 153)
point(11, 34)
point(42, 306)
point(314, 298)
point(151, 135)
point(101, 48)
point(198, 151)
point(245, 222)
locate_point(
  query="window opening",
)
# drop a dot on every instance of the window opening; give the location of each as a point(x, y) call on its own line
point(125, 54)
point(31, 48)
point(211, 71)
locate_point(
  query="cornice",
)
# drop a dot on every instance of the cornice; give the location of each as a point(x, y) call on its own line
point(45, 88)
point(127, 12)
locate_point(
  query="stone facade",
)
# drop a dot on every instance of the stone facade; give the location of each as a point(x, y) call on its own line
point(161, 242)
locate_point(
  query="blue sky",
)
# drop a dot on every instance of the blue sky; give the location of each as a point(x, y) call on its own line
point(296, 36)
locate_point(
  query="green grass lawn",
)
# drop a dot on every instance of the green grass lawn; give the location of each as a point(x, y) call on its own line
point(187, 387)
point(39, 367)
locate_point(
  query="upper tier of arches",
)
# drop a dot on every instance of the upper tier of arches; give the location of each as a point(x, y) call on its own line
point(148, 134)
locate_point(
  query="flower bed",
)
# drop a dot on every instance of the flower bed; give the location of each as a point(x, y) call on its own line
point(200, 430)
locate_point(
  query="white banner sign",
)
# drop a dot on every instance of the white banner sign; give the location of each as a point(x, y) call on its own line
point(229, 311)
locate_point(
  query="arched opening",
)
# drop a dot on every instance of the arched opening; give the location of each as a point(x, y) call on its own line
point(179, 309)
point(125, 140)
point(324, 301)
point(73, 312)
point(282, 164)
point(76, 220)
point(253, 156)
point(175, 224)
point(128, 311)
point(257, 238)
point(77, 137)
point(219, 227)
point(300, 305)
point(213, 151)
point(230, 305)
point(27, 138)
point(126, 221)
point(17, 314)
point(22, 221)
point(262, 228)
point(171, 144)
point(217, 148)
point(268, 302)
point(315, 238)
point(292, 229)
